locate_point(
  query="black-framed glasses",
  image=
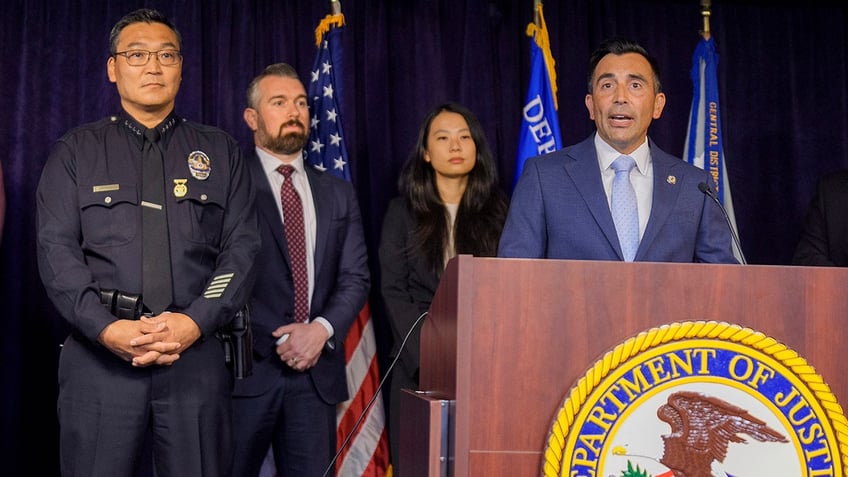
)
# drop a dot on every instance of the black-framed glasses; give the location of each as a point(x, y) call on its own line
point(141, 57)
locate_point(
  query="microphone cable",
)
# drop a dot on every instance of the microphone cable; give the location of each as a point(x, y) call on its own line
point(374, 397)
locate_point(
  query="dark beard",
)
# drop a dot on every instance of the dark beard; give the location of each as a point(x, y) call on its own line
point(289, 144)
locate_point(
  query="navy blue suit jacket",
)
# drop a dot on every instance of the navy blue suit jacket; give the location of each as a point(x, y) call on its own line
point(559, 210)
point(342, 280)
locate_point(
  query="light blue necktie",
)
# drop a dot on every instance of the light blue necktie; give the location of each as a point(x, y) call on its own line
point(625, 211)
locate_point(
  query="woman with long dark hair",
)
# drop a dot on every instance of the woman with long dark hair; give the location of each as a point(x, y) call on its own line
point(449, 203)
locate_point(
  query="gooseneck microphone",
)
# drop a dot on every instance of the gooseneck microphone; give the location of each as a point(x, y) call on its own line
point(706, 189)
point(377, 392)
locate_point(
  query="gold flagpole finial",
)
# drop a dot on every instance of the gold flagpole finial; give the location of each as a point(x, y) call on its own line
point(539, 32)
point(705, 13)
point(536, 19)
point(335, 18)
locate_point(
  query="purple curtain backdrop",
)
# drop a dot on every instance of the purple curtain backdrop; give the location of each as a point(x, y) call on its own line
point(783, 88)
point(2, 203)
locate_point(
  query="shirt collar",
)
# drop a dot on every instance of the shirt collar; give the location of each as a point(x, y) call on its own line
point(136, 129)
point(270, 163)
point(607, 154)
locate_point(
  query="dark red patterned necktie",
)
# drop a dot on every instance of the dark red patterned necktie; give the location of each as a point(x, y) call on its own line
point(296, 238)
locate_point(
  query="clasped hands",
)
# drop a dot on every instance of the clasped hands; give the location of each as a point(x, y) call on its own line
point(151, 340)
point(301, 350)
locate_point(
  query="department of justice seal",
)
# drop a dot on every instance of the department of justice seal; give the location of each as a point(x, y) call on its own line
point(199, 165)
point(699, 399)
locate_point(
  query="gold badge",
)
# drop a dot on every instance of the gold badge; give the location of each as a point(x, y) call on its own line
point(199, 165)
point(180, 189)
point(671, 180)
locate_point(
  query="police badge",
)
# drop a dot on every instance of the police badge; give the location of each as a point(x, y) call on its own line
point(199, 165)
point(180, 189)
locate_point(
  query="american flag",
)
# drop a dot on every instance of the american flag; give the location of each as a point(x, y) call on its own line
point(325, 150)
point(363, 447)
point(366, 451)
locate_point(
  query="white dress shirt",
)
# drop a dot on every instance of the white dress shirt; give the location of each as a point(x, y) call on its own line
point(301, 186)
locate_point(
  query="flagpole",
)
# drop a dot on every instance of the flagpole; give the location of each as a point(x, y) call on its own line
point(705, 13)
point(362, 447)
point(705, 113)
point(536, 19)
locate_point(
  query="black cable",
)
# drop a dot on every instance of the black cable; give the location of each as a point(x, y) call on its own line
point(376, 393)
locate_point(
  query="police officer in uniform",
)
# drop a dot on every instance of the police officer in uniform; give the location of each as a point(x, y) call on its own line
point(162, 375)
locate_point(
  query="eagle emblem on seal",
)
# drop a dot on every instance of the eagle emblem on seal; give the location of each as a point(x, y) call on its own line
point(702, 428)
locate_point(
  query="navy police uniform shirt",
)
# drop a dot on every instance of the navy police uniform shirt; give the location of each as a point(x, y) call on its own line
point(89, 220)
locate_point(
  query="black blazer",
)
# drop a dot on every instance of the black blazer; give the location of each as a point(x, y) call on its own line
point(824, 236)
point(407, 284)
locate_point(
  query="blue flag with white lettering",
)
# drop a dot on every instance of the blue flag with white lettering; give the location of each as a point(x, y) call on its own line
point(539, 123)
point(704, 146)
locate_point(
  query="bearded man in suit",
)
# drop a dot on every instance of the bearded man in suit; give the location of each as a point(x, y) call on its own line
point(312, 280)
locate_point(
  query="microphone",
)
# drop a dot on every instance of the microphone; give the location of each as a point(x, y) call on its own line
point(362, 415)
point(706, 189)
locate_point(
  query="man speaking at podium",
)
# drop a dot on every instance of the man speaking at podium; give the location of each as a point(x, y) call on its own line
point(616, 195)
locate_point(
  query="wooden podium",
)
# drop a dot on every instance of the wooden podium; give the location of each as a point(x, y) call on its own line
point(506, 338)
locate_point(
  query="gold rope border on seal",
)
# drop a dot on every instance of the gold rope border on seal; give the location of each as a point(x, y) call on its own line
point(682, 331)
